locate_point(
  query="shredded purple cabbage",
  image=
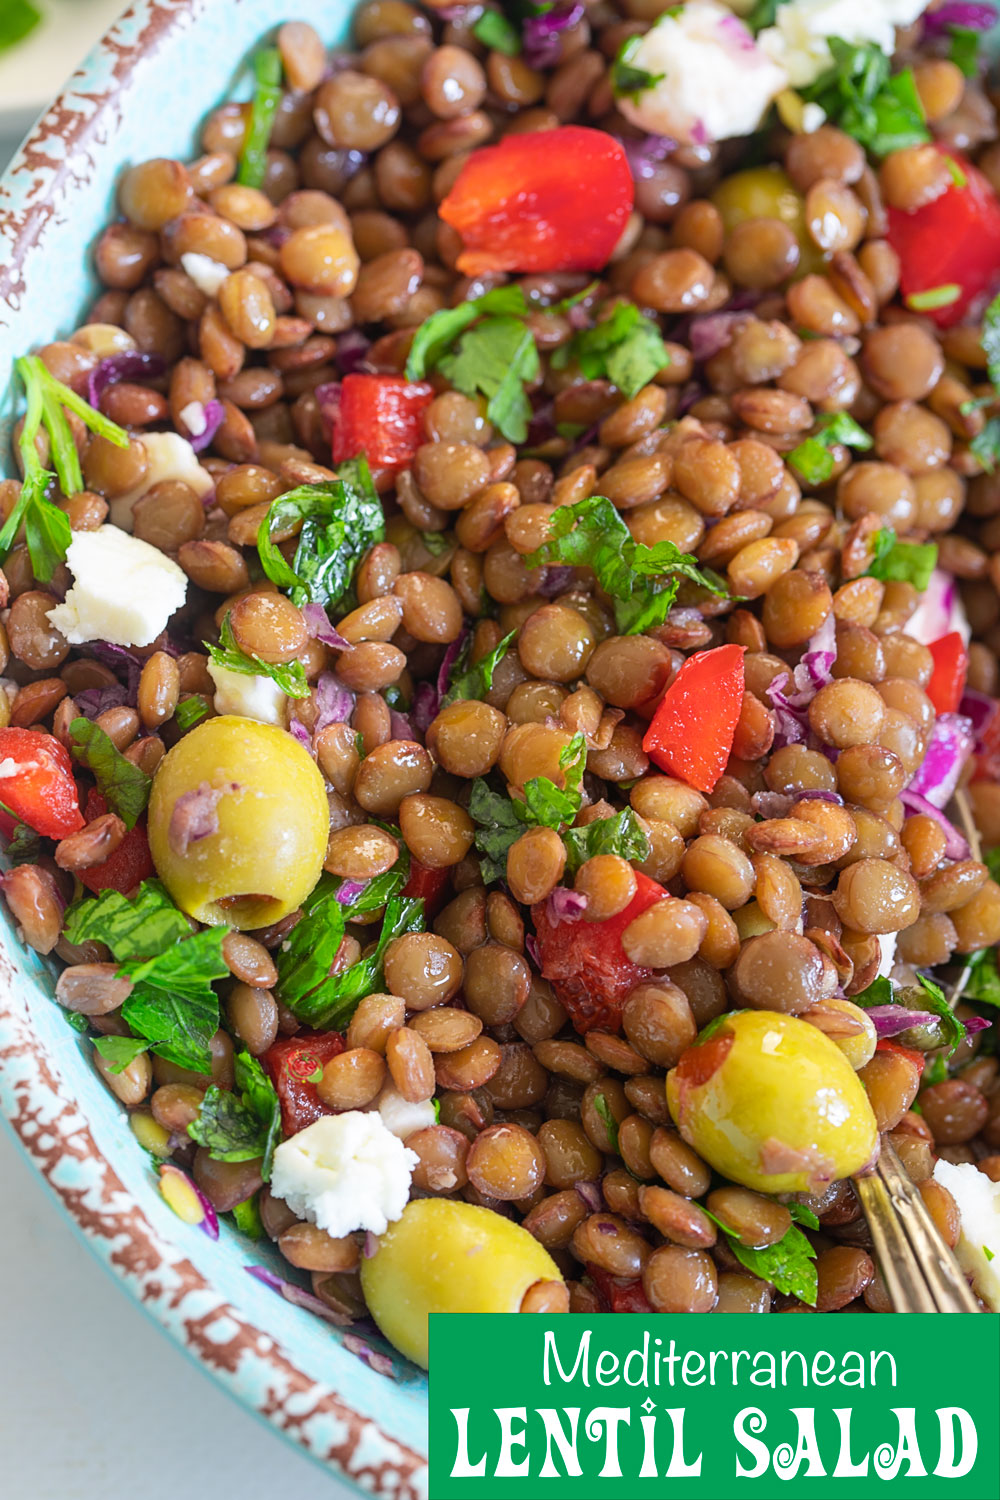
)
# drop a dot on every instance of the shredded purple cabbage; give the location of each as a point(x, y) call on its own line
point(93, 702)
point(297, 1295)
point(791, 723)
point(815, 669)
point(334, 703)
point(555, 580)
point(299, 732)
point(890, 1020)
point(214, 418)
point(950, 745)
point(541, 35)
point(968, 13)
point(351, 350)
point(121, 661)
point(319, 627)
point(564, 905)
point(955, 843)
point(131, 365)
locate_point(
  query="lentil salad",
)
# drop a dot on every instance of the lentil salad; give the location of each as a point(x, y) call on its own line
point(578, 597)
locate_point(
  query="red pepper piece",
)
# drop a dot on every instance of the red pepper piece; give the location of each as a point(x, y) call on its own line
point(953, 241)
point(381, 416)
point(916, 1058)
point(291, 1062)
point(691, 735)
point(549, 200)
point(37, 784)
point(951, 663)
point(586, 964)
point(428, 884)
point(131, 862)
point(618, 1294)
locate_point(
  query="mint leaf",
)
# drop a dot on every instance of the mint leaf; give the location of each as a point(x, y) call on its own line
point(142, 926)
point(172, 1003)
point(333, 1002)
point(935, 1001)
point(24, 843)
point(305, 958)
point(879, 992)
point(495, 31)
point(119, 1051)
point(17, 19)
point(626, 79)
point(263, 108)
point(813, 459)
point(478, 679)
point(499, 826)
point(626, 347)
point(790, 1265)
point(502, 819)
point(241, 1127)
point(641, 580)
point(964, 49)
point(621, 835)
point(802, 1215)
point(290, 676)
point(340, 520)
point(125, 787)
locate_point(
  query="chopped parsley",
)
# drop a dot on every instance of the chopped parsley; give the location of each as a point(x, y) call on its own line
point(813, 459)
point(289, 676)
point(934, 297)
point(246, 1216)
point(476, 681)
point(190, 711)
point(263, 108)
point(17, 20)
point(964, 49)
point(642, 581)
point(789, 1265)
point(124, 786)
point(503, 819)
point(621, 834)
point(24, 843)
point(240, 1126)
point(981, 980)
point(628, 81)
point(626, 347)
point(119, 1051)
point(340, 520)
point(903, 562)
point(880, 109)
point(608, 1120)
point(985, 446)
point(495, 31)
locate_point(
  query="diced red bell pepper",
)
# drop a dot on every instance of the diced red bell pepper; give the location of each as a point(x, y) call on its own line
point(428, 884)
point(618, 1294)
point(36, 783)
point(586, 964)
point(381, 416)
point(549, 200)
point(951, 663)
point(131, 862)
point(291, 1063)
point(916, 1057)
point(691, 734)
point(953, 241)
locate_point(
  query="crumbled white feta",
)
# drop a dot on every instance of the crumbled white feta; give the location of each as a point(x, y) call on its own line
point(168, 456)
point(939, 612)
point(887, 945)
point(193, 417)
point(124, 590)
point(797, 42)
point(978, 1248)
point(251, 697)
point(402, 1117)
point(206, 273)
point(345, 1172)
point(716, 81)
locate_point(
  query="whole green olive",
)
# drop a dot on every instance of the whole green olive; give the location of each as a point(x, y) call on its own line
point(443, 1255)
point(262, 799)
point(770, 1102)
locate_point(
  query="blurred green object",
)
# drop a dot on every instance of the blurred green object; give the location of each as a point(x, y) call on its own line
point(17, 19)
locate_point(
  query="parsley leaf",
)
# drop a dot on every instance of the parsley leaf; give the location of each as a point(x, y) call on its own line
point(621, 834)
point(982, 980)
point(144, 925)
point(340, 519)
point(952, 1030)
point(478, 679)
point(495, 31)
point(191, 710)
point(263, 108)
point(17, 20)
point(496, 357)
point(334, 1002)
point(907, 562)
point(881, 110)
point(964, 49)
point(24, 843)
point(879, 992)
point(119, 1051)
point(789, 1265)
point(641, 580)
point(608, 1120)
point(986, 445)
point(172, 1003)
point(626, 347)
point(813, 459)
point(802, 1215)
point(502, 819)
point(124, 786)
point(626, 79)
point(498, 827)
point(306, 957)
point(240, 1127)
point(290, 676)
point(990, 341)
point(438, 333)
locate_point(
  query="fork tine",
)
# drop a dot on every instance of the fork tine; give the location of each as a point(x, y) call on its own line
point(907, 1289)
point(944, 1276)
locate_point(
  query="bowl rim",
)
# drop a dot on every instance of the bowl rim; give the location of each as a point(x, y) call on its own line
point(37, 1100)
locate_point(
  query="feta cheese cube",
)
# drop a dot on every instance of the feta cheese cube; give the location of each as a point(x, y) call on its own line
point(716, 81)
point(402, 1117)
point(978, 1248)
point(206, 273)
point(797, 42)
point(345, 1172)
point(250, 697)
point(124, 590)
point(168, 456)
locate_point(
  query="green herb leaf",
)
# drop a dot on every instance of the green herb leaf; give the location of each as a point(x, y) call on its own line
point(190, 711)
point(306, 957)
point(990, 341)
point(74, 1020)
point(813, 459)
point(290, 676)
point(627, 80)
point(119, 1051)
point(907, 562)
point(622, 835)
point(986, 445)
point(964, 49)
point(436, 542)
point(264, 107)
point(882, 111)
point(608, 1120)
point(246, 1216)
point(341, 519)
point(125, 787)
point(879, 992)
point(989, 1254)
point(502, 819)
point(17, 20)
point(802, 1215)
point(172, 1003)
point(24, 844)
point(438, 333)
point(934, 297)
point(641, 580)
point(627, 347)
point(981, 978)
point(478, 679)
point(936, 1071)
point(240, 1127)
point(763, 14)
point(952, 1030)
point(334, 1002)
point(495, 31)
point(497, 357)
point(142, 926)
point(790, 1265)
point(498, 827)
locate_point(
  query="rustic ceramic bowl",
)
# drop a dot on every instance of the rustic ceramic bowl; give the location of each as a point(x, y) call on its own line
point(142, 93)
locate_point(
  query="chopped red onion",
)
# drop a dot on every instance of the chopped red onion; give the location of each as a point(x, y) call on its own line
point(532, 949)
point(713, 332)
point(541, 38)
point(975, 1024)
point(955, 845)
point(791, 722)
point(214, 418)
point(328, 401)
point(399, 725)
point(195, 815)
point(771, 804)
point(352, 347)
point(424, 709)
point(644, 154)
point(297, 1295)
point(299, 732)
point(816, 665)
point(968, 13)
point(93, 702)
point(950, 745)
point(981, 710)
point(555, 580)
point(564, 905)
point(380, 1363)
point(890, 1020)
point(818, 794)
point(120, 660)
point(333, 702)
point(209, 1225)
point(319, 627)
point(130, 365)
point(736, 34)
point(349, 891)
point(370, 1245)
point(699, 134)
point(590, 1192)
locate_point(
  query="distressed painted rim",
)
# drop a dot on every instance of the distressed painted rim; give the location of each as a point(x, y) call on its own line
point(37, 1099)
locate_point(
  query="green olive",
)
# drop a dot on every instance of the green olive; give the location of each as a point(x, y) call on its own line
point(771, 1103)
point(446, 1256)
point(268, 799)
point(767, 193)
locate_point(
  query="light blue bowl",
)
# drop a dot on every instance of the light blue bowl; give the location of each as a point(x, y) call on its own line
point(141, 93)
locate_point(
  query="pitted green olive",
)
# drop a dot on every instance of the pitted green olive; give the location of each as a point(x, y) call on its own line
point(262, 799)
point(772, 1103)
point(446, 1256)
